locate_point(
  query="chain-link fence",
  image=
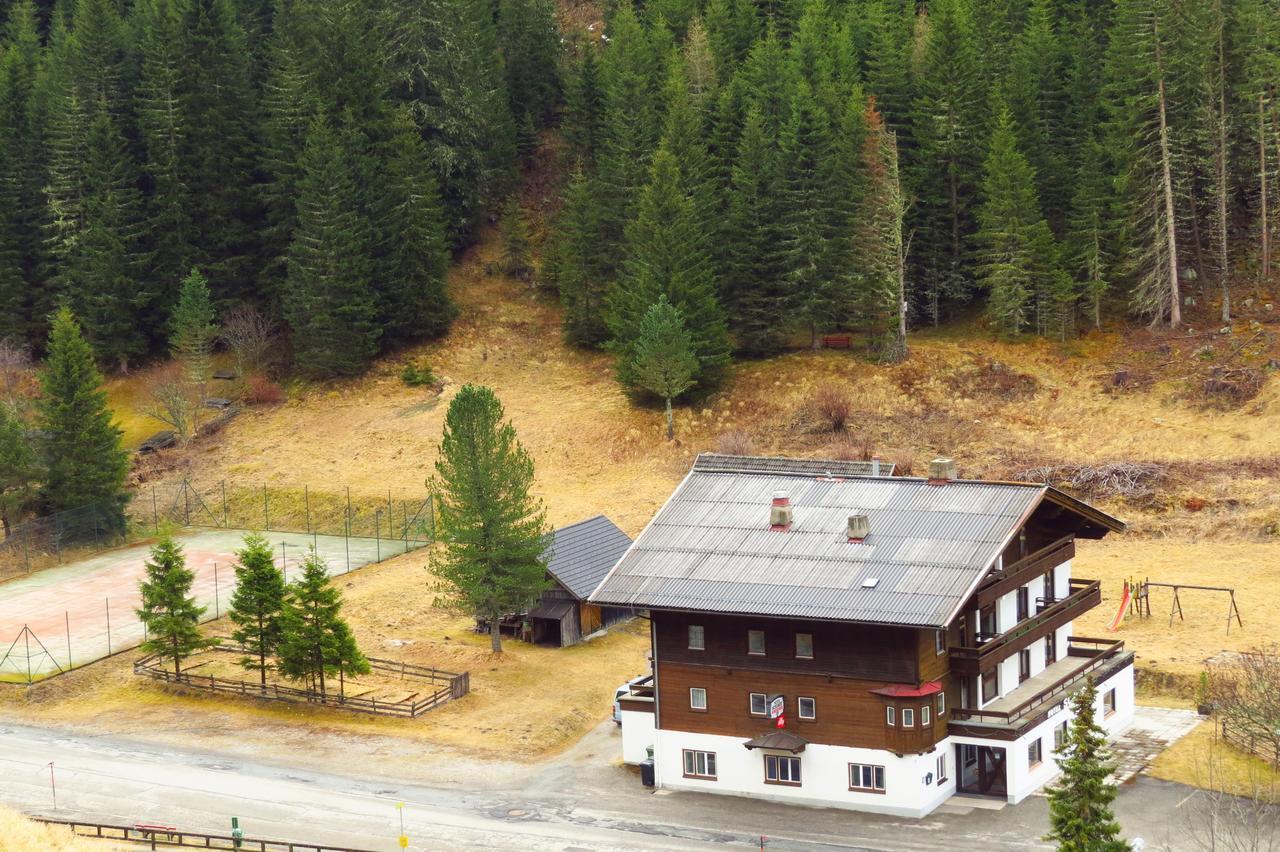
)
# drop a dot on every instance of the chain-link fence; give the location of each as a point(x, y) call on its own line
point(53, 539)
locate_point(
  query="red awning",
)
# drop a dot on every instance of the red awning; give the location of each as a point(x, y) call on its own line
point(904, 691)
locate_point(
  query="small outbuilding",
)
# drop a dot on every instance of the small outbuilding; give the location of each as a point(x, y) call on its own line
point(578, 558)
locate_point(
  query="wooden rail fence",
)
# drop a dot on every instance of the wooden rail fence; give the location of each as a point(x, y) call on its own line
point(157, 836)
point(1265, 747)
point(455, 685)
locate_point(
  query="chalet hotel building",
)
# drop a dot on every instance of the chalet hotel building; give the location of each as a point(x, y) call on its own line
point(826, 633)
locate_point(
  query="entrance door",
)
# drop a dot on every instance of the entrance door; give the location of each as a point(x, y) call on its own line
point(982, 770)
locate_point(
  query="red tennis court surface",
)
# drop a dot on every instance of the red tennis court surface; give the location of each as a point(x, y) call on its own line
point(76, 613)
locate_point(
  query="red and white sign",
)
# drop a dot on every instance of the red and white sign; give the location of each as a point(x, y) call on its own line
point(777, 704)
point(781, 721)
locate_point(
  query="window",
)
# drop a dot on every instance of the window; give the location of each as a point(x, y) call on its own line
point(1050, 648)
point(699, 764)
point(779, 769)
point(866, 777)
point(942, 767)
point(942, 703)
point(1023, 598)
point(1108, 702)
point(807, 708)
point(1059, 736)
point(1024, 664)
point(889, 716)
point(1033, 753)
point(987, 623)
point(990, 685)
point(697, 638)
point(804, 646)
point(939, 642)
point(908, 717)
point(759, 704)
point(924, 716)
point(697, 698)
point(755, 642)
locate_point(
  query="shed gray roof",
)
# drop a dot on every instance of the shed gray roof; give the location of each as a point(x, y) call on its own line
point(710, 548)
point(581, 554)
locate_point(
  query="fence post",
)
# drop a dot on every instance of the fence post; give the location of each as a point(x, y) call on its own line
point(186, 503)
point(224, 503)
point(377, 533)
point(266, 509)
point(70, 665)
point(391, 517)
point(108, 627)
point(306, 499)
point(155, 508)
point(347, 539)
point(216, 612)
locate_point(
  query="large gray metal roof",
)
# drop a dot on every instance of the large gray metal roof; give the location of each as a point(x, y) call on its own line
point(710, 548)
point(581, 554)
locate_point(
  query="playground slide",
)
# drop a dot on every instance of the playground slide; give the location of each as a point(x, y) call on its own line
point(1124, 605)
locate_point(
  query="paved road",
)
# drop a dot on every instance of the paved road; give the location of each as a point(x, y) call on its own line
point(578, 801)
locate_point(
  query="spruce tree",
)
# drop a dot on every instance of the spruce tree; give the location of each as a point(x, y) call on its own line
point(576, 264)
point(583, 123)
point(665, 257)
point(879, 243)
point(84, 461)
point(530, 46)
point(328, 299)
point(494, 531)
point(1017, 254)
point(1080, 815)
point(315, 642)
point(192, 331)
point(21, 203)
point(663, 359)
point(169, 611)
point(257, 605)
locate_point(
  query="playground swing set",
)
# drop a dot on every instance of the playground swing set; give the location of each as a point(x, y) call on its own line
point(1136, 600)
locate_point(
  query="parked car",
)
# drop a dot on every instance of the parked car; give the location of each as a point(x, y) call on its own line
point(619, 693)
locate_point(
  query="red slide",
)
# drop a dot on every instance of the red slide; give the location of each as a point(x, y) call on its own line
point(1124, 605)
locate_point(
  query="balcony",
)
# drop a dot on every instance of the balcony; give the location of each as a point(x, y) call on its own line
point(1026, 569)
point(1007, 714)
point(1050, 615)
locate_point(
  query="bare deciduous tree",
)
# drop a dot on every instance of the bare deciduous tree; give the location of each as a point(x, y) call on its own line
point(174, 402)
point(249, 336)
point(1231, 814)
point(17, 374)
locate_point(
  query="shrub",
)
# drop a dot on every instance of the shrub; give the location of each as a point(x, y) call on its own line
point(832, 406)
point(735, 442)
point(260, 390)
point(417, 375)
point(848, 447)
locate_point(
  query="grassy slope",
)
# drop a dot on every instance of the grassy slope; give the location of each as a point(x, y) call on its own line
point(595, 452)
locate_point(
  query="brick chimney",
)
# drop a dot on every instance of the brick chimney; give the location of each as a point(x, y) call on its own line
point(780, 514)
point(941, 471)
point(859, 528)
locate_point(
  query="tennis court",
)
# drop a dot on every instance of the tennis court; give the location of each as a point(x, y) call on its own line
point(83, 611)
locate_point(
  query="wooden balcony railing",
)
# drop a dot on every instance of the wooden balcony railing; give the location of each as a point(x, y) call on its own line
point(1025, 570)
point(1101, 653)
point(970, 662)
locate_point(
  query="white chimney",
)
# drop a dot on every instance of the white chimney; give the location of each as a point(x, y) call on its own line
point(780, 515)
point(859, 527)
point(875, 465)
point(941, 471)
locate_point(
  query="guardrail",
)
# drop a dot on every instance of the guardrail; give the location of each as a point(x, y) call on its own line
point(158, 836)
point(1085, 594)
point(456, 685)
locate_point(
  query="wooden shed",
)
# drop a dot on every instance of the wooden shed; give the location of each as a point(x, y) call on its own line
point(577, 560)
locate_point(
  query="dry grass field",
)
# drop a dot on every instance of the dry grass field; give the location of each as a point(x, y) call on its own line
point(19, 833)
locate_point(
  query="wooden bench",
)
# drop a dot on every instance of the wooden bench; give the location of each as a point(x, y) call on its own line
point(150, 829)
point(837, 341)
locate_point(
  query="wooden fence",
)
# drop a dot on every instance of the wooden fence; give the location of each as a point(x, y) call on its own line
point(156, 836)
point(455, 685)
point(1264, 747)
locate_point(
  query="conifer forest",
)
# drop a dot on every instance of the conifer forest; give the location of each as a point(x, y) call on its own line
point(775, 170)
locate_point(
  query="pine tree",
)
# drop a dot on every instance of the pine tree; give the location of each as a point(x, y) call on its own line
point(664, 257)
point(169, 611)
point(315, 642)
point(21, 203)
point(1080, 800)
point(328, 301)
point(879, 245)
point(192, 331)
point(1017, 255)
point(515, 240)
point(18, 470)
point(583, 123)
point(663, 359)
point(493, 529)
point(84, 461)
point(257, 605)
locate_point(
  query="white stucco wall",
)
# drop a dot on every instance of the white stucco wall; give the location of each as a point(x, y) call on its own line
point(824, 771)
point(637, 735)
